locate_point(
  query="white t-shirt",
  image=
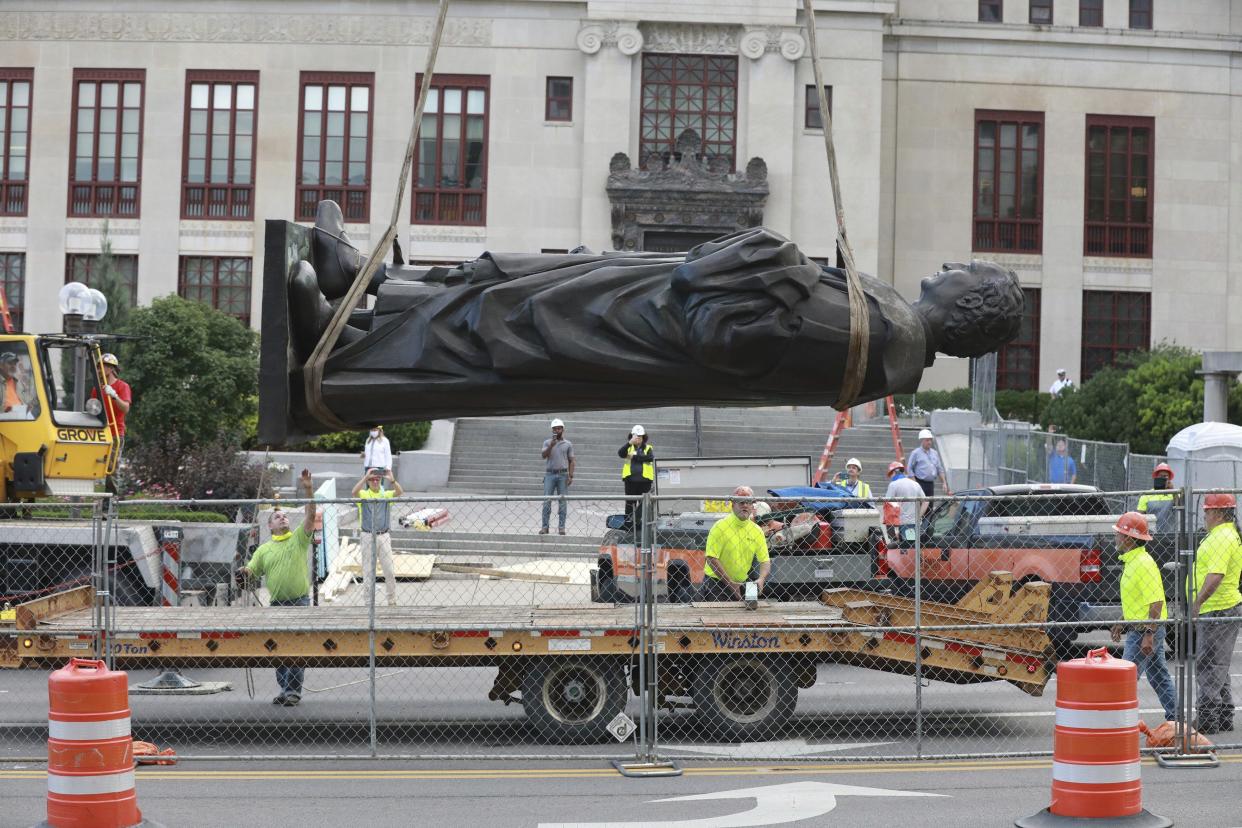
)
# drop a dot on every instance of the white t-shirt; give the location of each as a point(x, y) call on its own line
point(1059, 386)
point(906, 487)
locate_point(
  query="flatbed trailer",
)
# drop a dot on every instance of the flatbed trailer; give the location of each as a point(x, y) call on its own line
point(572, 664)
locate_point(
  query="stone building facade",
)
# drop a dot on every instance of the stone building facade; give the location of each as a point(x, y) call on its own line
point(1095, 146)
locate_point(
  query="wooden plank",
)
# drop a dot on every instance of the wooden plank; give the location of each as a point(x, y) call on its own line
point(31, 613)
point(507, 574)
point(404, 565)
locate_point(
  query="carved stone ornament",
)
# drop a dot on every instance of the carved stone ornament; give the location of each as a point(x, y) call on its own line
point(626, 36)
point(683, 195)
point(758, 41)
point(691, 38)
point(237, 27)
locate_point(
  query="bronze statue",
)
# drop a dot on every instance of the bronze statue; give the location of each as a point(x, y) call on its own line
point(745, 319)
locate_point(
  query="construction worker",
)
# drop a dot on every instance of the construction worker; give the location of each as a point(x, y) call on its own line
point(1214, 601)
point(374, 521)
point(1142, 599)
point(120, 397)
point(924, 465)
point(1161, 478)
point(909, 492)
point(558, 473)
point(638, 470)
point(283, 560)
point(852, 483)
point(733, 546)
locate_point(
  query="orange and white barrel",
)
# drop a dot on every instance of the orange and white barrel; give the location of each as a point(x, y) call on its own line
point(90, 752)
point(1095, 749)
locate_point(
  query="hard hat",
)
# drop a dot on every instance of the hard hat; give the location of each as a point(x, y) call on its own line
point(1220, 500)
point(1134, 525)
point(1061, 371)
point(926, 434)
point(557, 423)
point(1163, 468)
point(110, 359)
point(638, 431)
point(854, 461)
point(895, 466)
point(762, 508)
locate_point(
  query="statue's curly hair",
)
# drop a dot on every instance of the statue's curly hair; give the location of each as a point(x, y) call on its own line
point(987, 317)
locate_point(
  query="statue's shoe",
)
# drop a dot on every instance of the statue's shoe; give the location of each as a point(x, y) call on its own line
point(334, 256)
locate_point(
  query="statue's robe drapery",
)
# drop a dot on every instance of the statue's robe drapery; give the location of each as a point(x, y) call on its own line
point(742, 320)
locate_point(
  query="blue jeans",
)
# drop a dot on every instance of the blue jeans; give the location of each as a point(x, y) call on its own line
point(290, 678)
point(555, 483)
point(1155, 668)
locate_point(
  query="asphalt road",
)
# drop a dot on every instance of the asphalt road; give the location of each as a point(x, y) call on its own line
point(377, 794)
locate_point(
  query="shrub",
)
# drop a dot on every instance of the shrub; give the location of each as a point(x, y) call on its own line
point(402, 436)
point(217, 470)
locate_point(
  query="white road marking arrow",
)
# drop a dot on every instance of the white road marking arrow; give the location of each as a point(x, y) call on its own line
point(772, 750)
point(774, 805)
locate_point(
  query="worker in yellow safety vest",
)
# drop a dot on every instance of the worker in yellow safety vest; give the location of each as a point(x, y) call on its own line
point(1161, 478)
point(851, 481)
point(638, 470)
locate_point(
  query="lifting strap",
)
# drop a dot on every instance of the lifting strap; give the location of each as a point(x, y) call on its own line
point(313, 371)
point(860, 321)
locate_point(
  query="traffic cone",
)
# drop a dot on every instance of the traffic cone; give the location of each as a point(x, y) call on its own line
point(1095, 751)
point(90, 750)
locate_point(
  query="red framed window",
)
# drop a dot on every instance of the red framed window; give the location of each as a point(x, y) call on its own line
point(217, 174)
point(991, 11)
point(82, 267)
point(1120, 158)
point(559, 100)
point(450, 161)
point(681, 92)
point(15, 92)
point(334, 153)
point(1009, 162)
point(1090, 12)
point(812, 119)
point(220, 281)
point(1140, 14)
point(1041, 12)
point(1017, 362)
point(105, 156)
point(13, 281)
point(1114, 323)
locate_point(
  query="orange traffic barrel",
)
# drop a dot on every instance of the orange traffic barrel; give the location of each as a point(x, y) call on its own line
point(1095, 747)
point(90, 752)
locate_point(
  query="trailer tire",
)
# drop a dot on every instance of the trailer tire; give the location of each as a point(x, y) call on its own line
point(571, 701)
point(743, 697)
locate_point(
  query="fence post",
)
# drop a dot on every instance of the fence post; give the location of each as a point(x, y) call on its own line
point(1186, 756)
point(648, 762)
point(373, 581)
point(918, 633)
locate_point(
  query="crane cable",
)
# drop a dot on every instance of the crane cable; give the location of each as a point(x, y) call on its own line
point(312, 376)
point(860, 320)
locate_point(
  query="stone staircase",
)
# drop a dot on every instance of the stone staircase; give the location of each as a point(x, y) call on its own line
point(500, 455)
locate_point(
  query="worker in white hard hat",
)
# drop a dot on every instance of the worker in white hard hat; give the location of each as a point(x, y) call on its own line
point(1061, 383)
point(924, 465)
point(851, 481)
point(637, 471)
point(558, 474)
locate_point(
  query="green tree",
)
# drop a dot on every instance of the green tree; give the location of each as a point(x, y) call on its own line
point(194, 371)
point(1144, 401)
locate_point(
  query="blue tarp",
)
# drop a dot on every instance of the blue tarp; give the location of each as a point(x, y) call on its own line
point(823, 490)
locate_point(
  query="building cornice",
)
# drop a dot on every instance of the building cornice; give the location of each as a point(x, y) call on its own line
point(631, 37)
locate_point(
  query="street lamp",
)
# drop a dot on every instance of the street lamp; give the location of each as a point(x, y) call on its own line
point(83, 308)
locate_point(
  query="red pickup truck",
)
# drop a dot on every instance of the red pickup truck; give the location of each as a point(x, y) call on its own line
point(1057, 533)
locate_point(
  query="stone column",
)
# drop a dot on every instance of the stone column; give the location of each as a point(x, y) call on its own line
point(773, 52)
point(1220, 369)
point(610, 47)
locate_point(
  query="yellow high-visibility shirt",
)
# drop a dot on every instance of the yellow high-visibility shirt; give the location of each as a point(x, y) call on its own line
point(1146, 501)
point(734, 544)
point(1140, 585)
point(1219, 554)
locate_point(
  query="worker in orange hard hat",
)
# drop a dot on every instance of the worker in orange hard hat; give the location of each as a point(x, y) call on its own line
point(1142, 600)
point(1161, 478)
point(904, 495)
point(1215, 601)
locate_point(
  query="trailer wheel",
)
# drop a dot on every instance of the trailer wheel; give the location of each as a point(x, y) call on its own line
point(743, 697)
point(571, 701)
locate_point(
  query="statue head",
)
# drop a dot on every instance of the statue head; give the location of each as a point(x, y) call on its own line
point(972, 309)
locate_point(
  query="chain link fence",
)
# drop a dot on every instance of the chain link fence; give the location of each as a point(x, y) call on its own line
point(1016, 452)
point(792, 626)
